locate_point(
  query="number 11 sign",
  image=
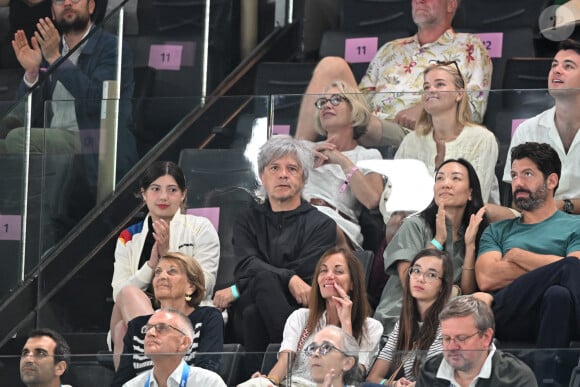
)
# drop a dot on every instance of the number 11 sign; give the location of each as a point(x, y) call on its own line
point(165, 56)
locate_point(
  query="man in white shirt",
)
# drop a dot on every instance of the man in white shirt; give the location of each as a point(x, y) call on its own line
point(469, 356)
point(44, 359)
point(168, 335)
point(558, 126)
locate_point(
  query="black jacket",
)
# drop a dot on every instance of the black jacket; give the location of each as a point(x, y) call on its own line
point(285, 243)
point(506, 370)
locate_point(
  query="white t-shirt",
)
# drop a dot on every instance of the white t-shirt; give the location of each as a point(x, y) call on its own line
point(542, 128)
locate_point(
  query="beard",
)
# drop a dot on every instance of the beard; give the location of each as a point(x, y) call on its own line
point(78, 24)
point(534, 200)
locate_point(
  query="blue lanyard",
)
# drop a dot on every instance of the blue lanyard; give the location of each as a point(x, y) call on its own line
point(182, 383)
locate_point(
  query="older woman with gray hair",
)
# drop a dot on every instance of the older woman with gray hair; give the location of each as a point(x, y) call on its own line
point(333, 358)
point(337, 187)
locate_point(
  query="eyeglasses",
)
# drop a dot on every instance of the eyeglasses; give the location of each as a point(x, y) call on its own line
point(428, 276)
point(61, 2)
point(457, 340)
point(323, 349)
point(161, 328)
point(334, 99)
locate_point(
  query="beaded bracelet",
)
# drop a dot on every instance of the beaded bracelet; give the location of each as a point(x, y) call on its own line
point(347, 180)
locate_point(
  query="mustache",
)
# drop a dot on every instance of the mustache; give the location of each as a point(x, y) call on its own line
point(520, 190)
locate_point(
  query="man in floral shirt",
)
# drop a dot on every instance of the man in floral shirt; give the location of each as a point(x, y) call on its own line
point(394, 78)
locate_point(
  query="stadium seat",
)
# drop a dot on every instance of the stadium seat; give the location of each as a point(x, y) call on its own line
point(270, 357)
point(376, 16)
point(526, 73)
point(499, 14)
point(286, 83)
point(222, 178)
point(230, 362)
point(333, 44)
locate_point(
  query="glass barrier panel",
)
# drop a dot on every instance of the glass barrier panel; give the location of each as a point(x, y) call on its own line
point(553, 366)
point(222, 179)
point(97, 369)
point(17, 230)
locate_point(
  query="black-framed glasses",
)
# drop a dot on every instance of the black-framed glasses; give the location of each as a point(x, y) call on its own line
point(428, 276)
point(61, 2)
point(334, 99)
point(161, 328)
point(457, 340)
point(323, 349)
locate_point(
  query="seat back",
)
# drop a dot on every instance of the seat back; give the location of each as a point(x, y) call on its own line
point(499, 14)
point(224, 179)
point(286, 82)
point(527, 73)
point(334, 44)
point(376, 16)
point(575, 377)
point(230, 362)
point(270, 358)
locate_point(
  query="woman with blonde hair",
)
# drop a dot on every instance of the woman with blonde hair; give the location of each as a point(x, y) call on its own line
point(445, 129)
point(336, 186)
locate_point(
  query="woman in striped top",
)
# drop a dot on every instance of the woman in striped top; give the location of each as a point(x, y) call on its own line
point(417, 334)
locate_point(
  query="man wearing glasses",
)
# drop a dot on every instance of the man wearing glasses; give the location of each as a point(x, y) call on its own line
point(394, 77)
point(76, 68)
point(44, 359)
point(168, 335)
point(469, 356)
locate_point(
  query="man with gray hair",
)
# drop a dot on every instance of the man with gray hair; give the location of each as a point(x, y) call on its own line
point(168, 335)
point(277, 244)
point(469, 356)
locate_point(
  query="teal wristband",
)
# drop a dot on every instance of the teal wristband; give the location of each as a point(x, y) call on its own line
point(383, 381)
point(437, 245)
point(235, 292)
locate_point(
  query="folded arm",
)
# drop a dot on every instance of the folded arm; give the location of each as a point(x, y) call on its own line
point(492, 272)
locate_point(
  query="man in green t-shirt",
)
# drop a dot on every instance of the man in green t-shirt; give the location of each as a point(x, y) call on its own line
point(532, 263)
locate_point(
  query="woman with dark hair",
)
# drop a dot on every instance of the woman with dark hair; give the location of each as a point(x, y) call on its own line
point(452, 222)
point(445, 129)
point(337, 297)
point(165, 228)
point(417, 335)
point(178, 283)
point(336, 186)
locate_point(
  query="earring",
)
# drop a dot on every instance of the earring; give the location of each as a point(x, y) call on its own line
point(188, 296)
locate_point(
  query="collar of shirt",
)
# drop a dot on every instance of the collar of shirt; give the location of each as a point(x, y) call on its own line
point(446, 39)
point(175, 377)
point(446, 372)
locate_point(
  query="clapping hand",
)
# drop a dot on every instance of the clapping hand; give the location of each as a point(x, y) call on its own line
point(48, 39)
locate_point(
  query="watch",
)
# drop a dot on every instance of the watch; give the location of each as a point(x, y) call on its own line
point(568, 206)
